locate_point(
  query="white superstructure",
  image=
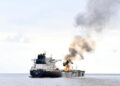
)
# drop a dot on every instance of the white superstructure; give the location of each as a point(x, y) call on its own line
point(48, 66)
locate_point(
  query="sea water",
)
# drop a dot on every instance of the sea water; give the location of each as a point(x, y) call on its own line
point(88, 80)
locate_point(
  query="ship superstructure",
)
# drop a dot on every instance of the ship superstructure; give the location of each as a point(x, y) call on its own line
point(44, 67)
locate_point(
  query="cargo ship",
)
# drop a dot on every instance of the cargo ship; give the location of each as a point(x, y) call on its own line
point(44, 67)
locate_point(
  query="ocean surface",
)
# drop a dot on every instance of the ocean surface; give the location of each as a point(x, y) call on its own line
point(88, 80)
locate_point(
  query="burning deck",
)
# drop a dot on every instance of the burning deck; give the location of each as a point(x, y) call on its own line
point(69, 72)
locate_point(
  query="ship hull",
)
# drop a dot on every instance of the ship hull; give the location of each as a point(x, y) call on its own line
point(41, 73)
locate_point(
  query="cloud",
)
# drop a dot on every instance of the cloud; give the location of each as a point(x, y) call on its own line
point(7, 35)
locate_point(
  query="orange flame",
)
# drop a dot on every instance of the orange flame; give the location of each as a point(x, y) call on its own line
point(67, 68)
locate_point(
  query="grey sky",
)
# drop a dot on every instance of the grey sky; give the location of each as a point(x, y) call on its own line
point(28, 27)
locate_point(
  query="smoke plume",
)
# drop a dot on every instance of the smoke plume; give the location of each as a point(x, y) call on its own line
point(79, 46)
point(98, 14)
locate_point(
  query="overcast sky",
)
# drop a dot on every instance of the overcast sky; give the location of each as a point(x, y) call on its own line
point(28, 27)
